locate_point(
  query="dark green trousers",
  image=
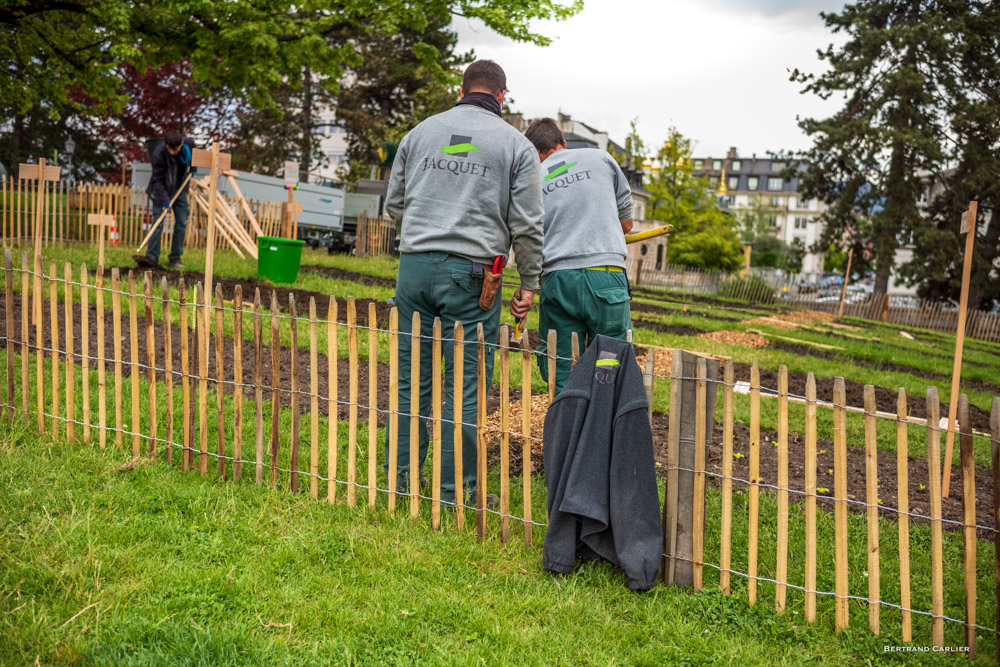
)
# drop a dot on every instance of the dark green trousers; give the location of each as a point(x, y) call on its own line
point(586, 301)
point(437, 284)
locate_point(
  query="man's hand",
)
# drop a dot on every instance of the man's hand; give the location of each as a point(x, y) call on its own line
point(521, 304)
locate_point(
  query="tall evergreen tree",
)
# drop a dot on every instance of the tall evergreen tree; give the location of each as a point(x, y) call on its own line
point(867, 159)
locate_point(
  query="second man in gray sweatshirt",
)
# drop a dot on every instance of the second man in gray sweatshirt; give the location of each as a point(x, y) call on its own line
point(464, 188)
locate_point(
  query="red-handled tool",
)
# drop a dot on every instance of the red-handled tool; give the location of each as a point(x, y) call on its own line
point(498, 263)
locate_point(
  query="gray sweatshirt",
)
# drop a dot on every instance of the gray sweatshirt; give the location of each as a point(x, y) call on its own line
point(586, 197)
point(599, 468)
point(465, 182)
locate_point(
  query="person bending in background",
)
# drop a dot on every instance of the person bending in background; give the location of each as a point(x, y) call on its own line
point(171, 163)
point(588, 211)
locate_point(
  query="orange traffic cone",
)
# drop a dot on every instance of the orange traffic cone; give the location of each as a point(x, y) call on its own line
point(113, 238)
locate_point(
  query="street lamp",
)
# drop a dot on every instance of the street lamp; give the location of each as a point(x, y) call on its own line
point(69, 147)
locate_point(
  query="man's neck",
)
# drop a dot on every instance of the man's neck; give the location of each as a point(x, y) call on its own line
point(544, 156)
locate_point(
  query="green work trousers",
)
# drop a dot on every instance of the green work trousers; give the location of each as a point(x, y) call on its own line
point(585, 301)
point(437, 284)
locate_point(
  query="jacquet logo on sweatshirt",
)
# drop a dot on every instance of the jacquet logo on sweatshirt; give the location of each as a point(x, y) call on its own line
point(562, 176)
point(460, 147)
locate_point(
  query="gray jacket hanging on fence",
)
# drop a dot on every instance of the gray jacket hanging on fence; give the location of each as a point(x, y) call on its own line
point(599, 468)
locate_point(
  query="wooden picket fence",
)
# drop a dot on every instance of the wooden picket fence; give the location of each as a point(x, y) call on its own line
point(65, 208)
point(376, 236)
point(278, 447)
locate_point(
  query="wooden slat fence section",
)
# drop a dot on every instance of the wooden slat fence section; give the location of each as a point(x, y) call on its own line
point(151, 360)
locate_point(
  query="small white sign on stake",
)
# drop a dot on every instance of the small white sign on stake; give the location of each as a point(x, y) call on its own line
point(291, 173)
point(966, 225)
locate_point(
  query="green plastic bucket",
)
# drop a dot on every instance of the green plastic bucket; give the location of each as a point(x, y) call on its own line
point(278, 259)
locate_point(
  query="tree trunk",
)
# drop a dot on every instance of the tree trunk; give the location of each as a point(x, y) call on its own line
point(16, 139)
point(307, 104)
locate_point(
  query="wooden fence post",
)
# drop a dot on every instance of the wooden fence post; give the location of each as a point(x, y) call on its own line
point(293, 475)
point(934, 491)
point(185, 378)
point(969, 521)
point(237, 383)
point(258, 381)
point(85, 334)
point(25, 300)
point(903, 519)
point(781, 574)
point(481, 432)
point(726, 530)
point(102, 402)
point(392, 422)
point(810, 487)
point(373, 405)
point(39, 343)
point(995, 460)
point(436, 346)
point(150, 360)
point(504, 434)
point(168, 366)
point(673, 444)
point(133, 324)
point(201, 321)
point(753, 492)
point(313, 403)
point(840, 502)
point(871, 498)
point(526, 467)
point(220, 379)
point(458, 415)
point(9, 323)
point(332, 404)
point(70, 360)
point(414, 454)
point(698, 501)
point(54, 333)
point(352, 408)
point(275, 387)
point(550, 346)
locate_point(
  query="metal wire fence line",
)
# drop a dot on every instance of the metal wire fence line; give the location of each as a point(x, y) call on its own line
point(294, 396)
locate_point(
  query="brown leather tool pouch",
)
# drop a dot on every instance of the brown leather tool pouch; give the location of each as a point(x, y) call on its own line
point(491, 286)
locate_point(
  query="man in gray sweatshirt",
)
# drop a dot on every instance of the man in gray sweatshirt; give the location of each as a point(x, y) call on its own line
point(464, 187)
point(588, 211)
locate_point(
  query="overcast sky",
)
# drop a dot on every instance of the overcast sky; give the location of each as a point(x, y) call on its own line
point(715, 69)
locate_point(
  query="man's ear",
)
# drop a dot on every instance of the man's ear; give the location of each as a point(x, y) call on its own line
point(461, 93)
point(503, 93)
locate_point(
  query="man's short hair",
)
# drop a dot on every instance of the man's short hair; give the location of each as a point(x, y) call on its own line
point(545, 135)
point(484, 76)
point(173, 139)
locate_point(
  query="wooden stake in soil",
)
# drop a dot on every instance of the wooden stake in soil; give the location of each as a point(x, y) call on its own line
point(840, 502)
point(392, 435)
point(526, 467)
point(54, 332)
point(726, 530)
point(258, 381)
point(753, 492)
point(871, 498)
point(133, 324)
point(781, 575)
point(238, 382)
point(352, 408)
point(70, 361)
point(435, 424)
point(185, 377)
point(847, 277)
point(414, 483)
point(969, 522)
point(903, 518)
point(220, 379)
point(373, 405)
point(969, 229)
point(102, 410)
point(458, 415)
point(85, 334)
point(551, 347)
point(995, 460)
point(934, 491)
point(673, 448)
point(313, 403)
point(25, 300)
point(698, 510)
point(150, 361)
point(575, 349)
point(8, 261)
point(810, 484)
point(40, 345)
point(481, 431)
point(331, 378)
point(275, 386)
point(201, 321)
point(505, 435)
point(294, 370)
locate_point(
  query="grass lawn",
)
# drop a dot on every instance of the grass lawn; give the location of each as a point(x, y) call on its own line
point(109, 561)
